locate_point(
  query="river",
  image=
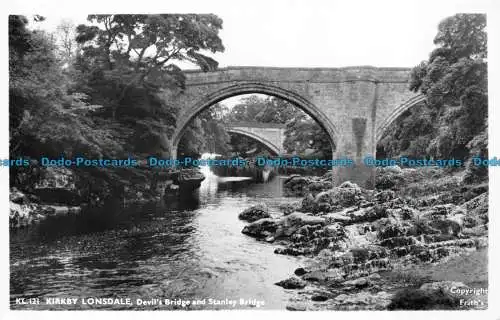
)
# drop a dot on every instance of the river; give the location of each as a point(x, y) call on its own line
point(190, 249)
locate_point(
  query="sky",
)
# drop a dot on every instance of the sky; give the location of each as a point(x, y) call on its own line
point(313, 33)
point(302, 33)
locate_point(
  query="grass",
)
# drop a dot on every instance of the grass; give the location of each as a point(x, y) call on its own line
point(407, 279)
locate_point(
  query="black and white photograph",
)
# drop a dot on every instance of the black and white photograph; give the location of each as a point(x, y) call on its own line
point(281, 156)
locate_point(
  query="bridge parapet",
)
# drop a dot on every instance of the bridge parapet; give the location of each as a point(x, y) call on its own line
point(250, 124)
point(312, 75)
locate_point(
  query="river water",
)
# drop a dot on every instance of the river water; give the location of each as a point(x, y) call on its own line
point(191, 249)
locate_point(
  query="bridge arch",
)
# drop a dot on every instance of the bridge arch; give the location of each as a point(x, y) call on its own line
point(395, 114)
point(249, 88)
point(271, 146)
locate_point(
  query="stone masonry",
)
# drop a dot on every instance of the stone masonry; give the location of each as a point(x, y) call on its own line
point(353, 104)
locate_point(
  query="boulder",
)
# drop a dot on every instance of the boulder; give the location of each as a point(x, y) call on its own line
point(364, 300)
point(255, 213)
point(368, 214)
point(346, 195)
point(337, 217)
point(262, 228)
point(476, 211)
point(18, 197)
point(447, 287)
point(289, 224)
point(292, 178)
point(393, 169)
point(320, 296)
point(358, 283)
point(58, 186)
point(189, 179)
point(384, 196)
point(441, 210)
point(318, 186)
point(22, 215)
point(296, 306)
point(334, 230)
point(288, 208)
point(308, 204)
point(349, 184)
point(292, 283)
point(297, 184)
point(322, 276)
point(58, 195)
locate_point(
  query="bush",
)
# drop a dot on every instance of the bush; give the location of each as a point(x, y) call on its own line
point(416, 299)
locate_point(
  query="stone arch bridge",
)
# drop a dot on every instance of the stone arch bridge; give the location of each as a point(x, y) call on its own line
point(272, 135)
point(354, 104)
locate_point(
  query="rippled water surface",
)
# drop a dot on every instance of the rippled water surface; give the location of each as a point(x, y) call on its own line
point(191, 249)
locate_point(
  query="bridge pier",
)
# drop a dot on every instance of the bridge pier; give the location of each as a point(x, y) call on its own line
point(356, 143)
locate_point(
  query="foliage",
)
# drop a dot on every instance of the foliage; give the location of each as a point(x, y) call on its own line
point(64, 104)
point(262, 109)
point(454, 82)
point(139, 51)
point(206, 133)
point(416, 299)
point(67, 46)
point(305, 134)
point(410, 136)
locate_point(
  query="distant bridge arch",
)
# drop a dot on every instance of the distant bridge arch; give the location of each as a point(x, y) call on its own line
point(269, 134)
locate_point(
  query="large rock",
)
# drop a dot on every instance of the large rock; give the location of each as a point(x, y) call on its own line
point(358, 283)
point(337, 217)
point(190, 179)
point(384, 196)
point(308, 204)
point(297, 184)
point(254, 213)
point(289, 224)
point(347, 194)
point(296, 306)
point(364, 300)
point(262, 228)
point(56, 195)
point(476, 211)
point(288, 208)
point(368, 214)
point(292, 283)
point(58, 186)
point(18, 197)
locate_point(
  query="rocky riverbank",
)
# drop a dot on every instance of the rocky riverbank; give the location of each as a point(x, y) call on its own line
point(369, 249)
point(58, 194)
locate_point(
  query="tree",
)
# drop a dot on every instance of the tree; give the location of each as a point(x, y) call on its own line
point(140, 50)
point(304, 134)
point(66, 41)
point(454, 80)
point(206, 133)
point(453, 121)
point(34, 80)
point(269, 109)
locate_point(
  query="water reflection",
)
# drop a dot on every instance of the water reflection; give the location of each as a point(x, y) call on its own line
point(192, 248)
